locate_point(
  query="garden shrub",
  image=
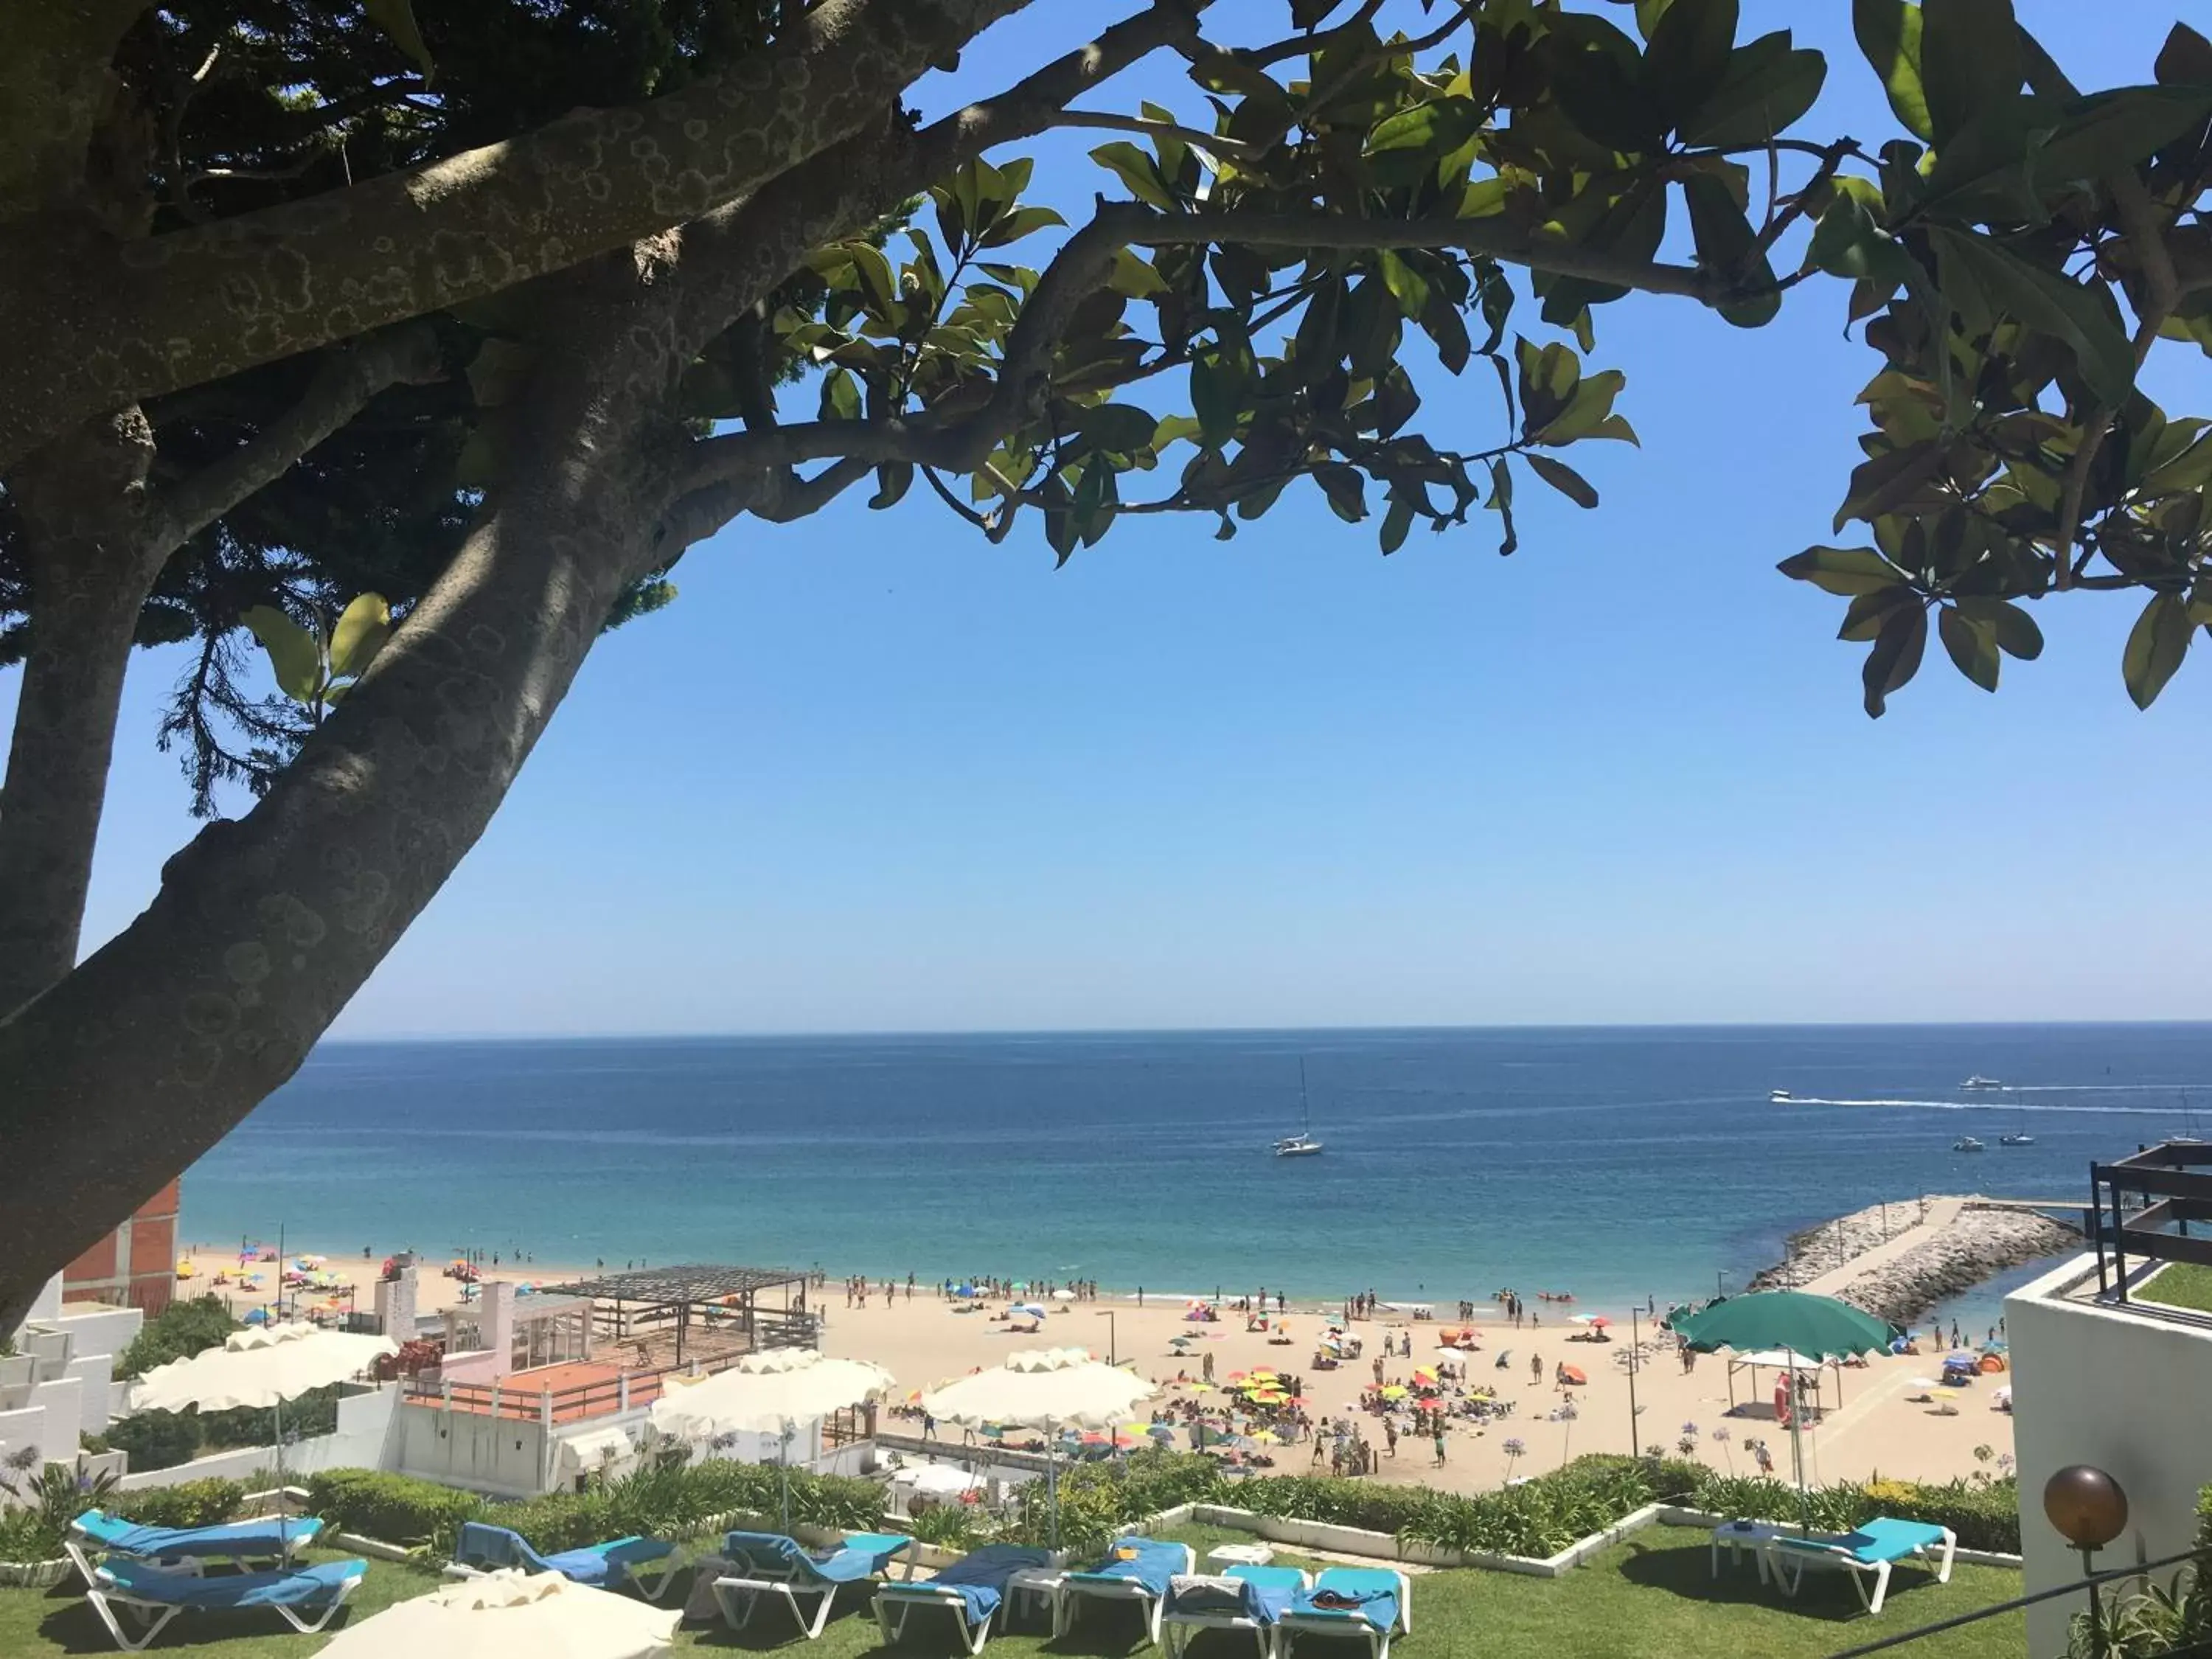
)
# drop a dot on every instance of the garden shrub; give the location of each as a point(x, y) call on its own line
point(187, 1503)
point(182, 1328)
point(396, 1508)
point(156, 1440)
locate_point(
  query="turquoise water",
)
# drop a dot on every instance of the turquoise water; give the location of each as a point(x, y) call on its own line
point(1612, 1163)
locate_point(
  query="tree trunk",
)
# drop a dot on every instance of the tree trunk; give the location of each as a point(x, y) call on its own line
point(80, 501)
point(165, 1038)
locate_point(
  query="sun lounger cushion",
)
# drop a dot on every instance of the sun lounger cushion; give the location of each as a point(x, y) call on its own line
point(979, 1576)
point(864, 1555)
point(240, 1590)
point(1886, 1540)
point(1139, 1560)
point(275, 1535)
point(604, 1566)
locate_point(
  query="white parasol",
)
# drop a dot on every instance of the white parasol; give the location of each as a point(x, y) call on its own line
point(511, 1615)
point(1043, 1388)
point(260, 1368)
point(771, 1391)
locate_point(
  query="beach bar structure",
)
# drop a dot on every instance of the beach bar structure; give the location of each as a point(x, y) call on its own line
point(698, 1311)
point(537, 1389)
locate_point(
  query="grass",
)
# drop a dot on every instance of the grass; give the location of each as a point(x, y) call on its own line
point(2180, 1285)
point(1649, 1598)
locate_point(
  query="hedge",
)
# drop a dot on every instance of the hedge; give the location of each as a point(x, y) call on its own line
point(664, 1501)
point(187, 1503)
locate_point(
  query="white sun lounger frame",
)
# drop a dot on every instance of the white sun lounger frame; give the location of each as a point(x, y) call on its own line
point(1788, 1558)
point(1180, 1627)
point(1294, 1624)
point(153, 1616)
point(1151, 1604)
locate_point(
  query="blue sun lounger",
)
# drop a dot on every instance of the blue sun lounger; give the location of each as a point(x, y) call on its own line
point(1374, 1602)
point(770, 1562)
point(1867, 1552)
point(483, 1548)
point(972, 1589)
point(150, 1597)
point(1137, 1569)
point(275, 1539)
point(1247, 1598)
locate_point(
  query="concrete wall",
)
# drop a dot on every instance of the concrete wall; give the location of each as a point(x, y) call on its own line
point(501, 1456)
point(362, 1440)
point(2124, 1391)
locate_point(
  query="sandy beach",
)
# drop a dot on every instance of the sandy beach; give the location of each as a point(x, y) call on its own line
point(1876, 1429)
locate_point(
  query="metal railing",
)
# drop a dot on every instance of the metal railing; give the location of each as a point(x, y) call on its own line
point(511, 1396)
point(2170, 1187)
point(2087, 1584)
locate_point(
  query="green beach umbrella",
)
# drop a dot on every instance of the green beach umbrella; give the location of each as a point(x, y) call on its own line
point(1815, 1327)
point(1799, 1323)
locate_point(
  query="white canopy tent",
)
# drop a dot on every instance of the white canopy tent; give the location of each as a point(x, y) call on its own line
point(511, 1615)
point(260, 1368)
point(771, 1391)
point(1045, 1388)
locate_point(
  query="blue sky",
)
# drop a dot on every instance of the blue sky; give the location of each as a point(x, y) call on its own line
point(871, 773)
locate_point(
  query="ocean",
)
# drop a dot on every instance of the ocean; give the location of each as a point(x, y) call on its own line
point(1615, 1163)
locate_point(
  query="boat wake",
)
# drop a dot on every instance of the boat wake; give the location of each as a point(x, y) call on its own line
point(1985, 1106)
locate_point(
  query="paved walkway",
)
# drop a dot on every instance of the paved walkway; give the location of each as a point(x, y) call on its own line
point(1940, 1213)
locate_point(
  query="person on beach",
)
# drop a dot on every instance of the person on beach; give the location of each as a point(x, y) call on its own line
point(1535, 1369)
point(1390, 1436)
point(1440, 1442)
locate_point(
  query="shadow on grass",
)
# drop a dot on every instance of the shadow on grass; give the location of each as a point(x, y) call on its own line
point(1688, 1573)
point(73, 1627)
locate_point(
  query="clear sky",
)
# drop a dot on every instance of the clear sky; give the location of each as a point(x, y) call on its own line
point(870, 773)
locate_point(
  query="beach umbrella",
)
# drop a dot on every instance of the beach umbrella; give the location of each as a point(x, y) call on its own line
point(1799, 1323)
point(1034, 1310)
point(771, 1391)
point(1045, 1388)
point(261, 1367)
point(1063, 1296)
point(511, 1615)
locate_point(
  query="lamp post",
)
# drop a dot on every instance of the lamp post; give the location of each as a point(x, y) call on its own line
point(2089, 1510)
point(1720, 1283)
point(1635, 1342)
point(1112, 1345)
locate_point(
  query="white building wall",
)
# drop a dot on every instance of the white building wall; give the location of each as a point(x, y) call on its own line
point(2124, 1391)
point(503, 1456)
point(362, 1441)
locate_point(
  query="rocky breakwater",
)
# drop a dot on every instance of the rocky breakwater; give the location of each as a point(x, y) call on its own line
point(1898, 1260)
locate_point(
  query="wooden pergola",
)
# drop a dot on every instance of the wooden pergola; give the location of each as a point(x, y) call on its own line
point(752, 1307)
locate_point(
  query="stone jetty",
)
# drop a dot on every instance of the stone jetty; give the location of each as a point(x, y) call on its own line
point(1897, 1260)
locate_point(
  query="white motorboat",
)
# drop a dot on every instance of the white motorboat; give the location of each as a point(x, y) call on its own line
point(1977, 1081)
point(1967, 1144)
point(1780, 1094)
point(1302, 1144)
point(2016, 1140)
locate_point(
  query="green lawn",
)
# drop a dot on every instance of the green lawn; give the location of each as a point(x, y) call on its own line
point(1650, 1598)
point(2180, 1285)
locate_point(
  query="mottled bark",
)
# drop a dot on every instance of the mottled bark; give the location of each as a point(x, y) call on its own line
point(81, 503)
point(98, 323)
point(96, 537)
point(164, 1038)
point(56, 87)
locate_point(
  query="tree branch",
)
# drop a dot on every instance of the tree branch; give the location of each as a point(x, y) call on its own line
point(99, 324)
point(57, 83)
point(1194, 137)
point(342, 385)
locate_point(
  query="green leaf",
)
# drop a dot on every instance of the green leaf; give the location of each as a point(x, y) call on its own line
point(1864, 616)
point(1396, 523)
point(2190, 470)
point(1895, 658)
point(1688, 56)
point(1598, 78)
point(1889, 35)
point(1844, 571)
point(1123, 428)
point(361, 631)
point(1019, 223)
point(2015, 629)
point(1590, 407)
point(1216, 391)
point(1767, 89)
point(1407, 286)
point(1970, 62)
point(1973, 646)
point(2110, 132)
point(1135, 168)
point(1501, 503)
point(1441, 321)
point(1441, 126)
point(1718, 225)
point(397, 19)
point(295, 654)
point(1563, 478)
point(2155, 648)
point(841, 396)
point(2186, 57)
point(1848, 243)
point(1649, 13)
point(2045, 301)
point(1347, 496)
point(1132, 277)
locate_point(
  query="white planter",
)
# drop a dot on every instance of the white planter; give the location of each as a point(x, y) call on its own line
point(35, 1575)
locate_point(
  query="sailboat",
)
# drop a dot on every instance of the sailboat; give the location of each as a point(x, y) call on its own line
point(1302, 1144)
point(2019, 1137)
